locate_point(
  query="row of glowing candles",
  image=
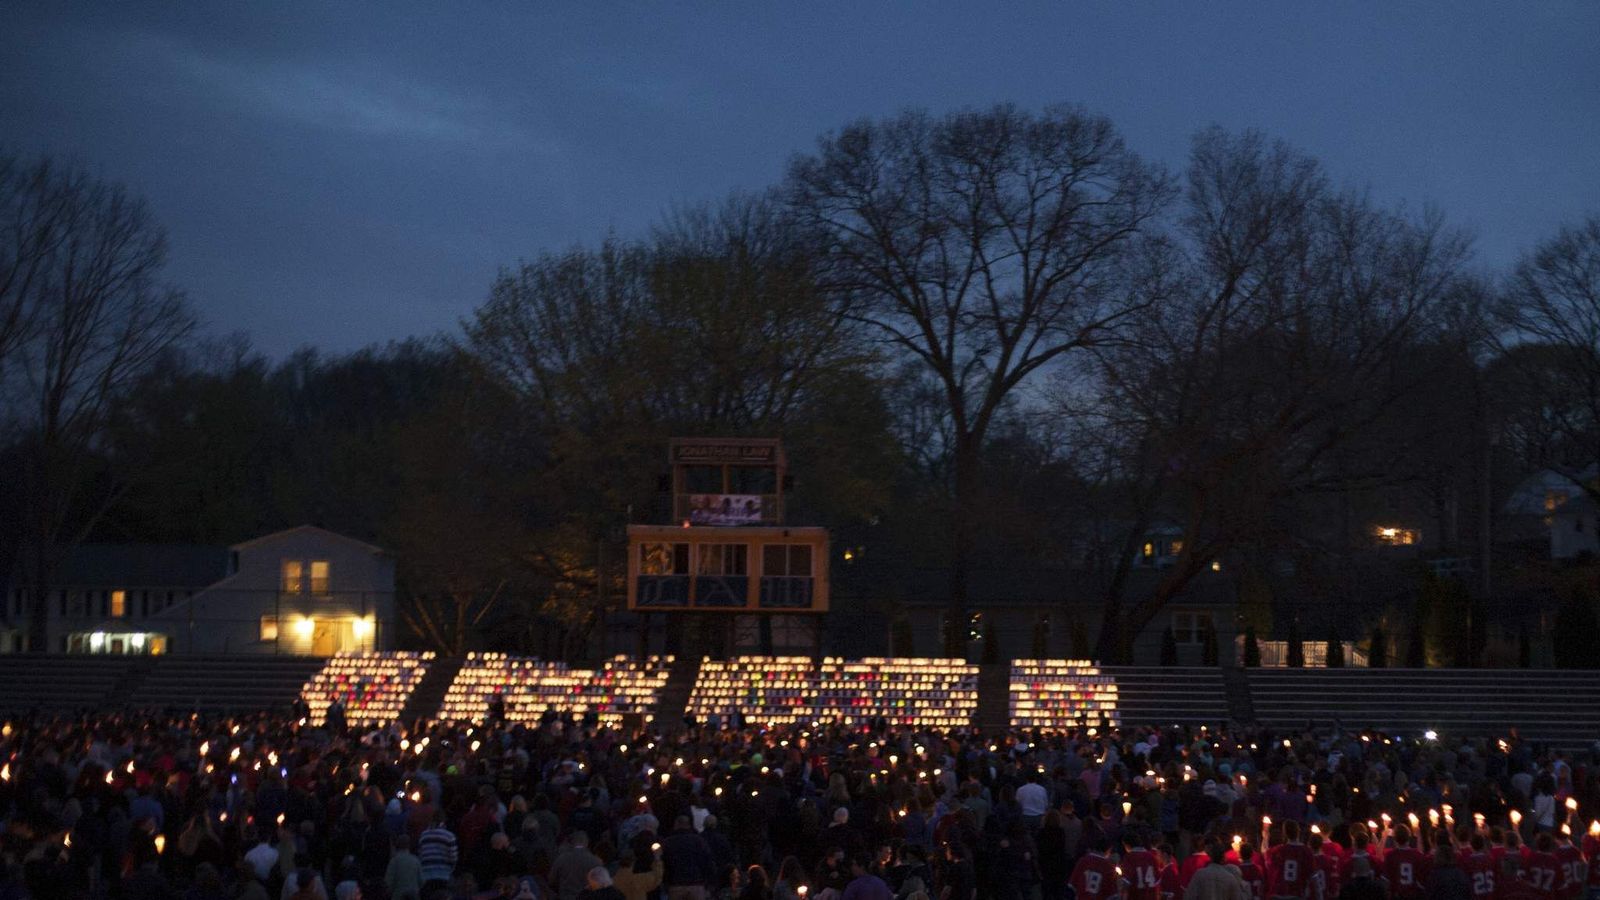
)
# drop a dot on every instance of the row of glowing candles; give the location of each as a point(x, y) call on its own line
point(1443, 814)
point(785, 690)
point(374, 686)
point(530, 686)
point(1061, 693)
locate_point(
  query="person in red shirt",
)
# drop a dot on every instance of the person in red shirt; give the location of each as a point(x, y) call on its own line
point(1171, 879)
point(1511, 886)
point(1141, 870)
point(1291, 869)
point(1569, 860)
point(1255, 880)
point(1330, 865)
point(1591, 855)
point(1405, 867)
point(1543, 870)
point(1482, 873)
point(1095, 877)
point(1193, 863)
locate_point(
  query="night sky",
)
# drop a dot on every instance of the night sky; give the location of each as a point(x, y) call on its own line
point(340, 174)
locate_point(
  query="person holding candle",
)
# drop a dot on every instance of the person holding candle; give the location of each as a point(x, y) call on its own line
point(1405, 868)
point(1291, 869)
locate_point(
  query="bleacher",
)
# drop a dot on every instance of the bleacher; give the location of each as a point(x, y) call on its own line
point(374, 687)
point(58, 683)
point(940, 693)
point(223, 683)
point(1551, 706)
point(1054, 694)
point(1175, 695)
point(771, 690)
point(531, 687)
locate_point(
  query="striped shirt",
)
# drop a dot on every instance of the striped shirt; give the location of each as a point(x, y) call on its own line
point(436, 850)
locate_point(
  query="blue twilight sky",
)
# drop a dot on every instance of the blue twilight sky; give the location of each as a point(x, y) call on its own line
point(341, 173)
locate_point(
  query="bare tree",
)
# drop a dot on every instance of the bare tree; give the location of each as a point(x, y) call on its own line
point(1550, 367)
point(1287, 314)
point(985, 245)
point(31, 208)
point(98, 316)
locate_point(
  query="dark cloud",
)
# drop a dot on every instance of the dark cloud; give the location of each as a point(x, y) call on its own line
point(337, 174)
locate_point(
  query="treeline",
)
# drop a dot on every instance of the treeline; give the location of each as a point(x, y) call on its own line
point(992, 338)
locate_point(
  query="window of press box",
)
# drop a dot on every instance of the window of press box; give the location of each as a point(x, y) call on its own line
point(752, 480)
point(786, 559)
point(723, 559)
point(663, 559)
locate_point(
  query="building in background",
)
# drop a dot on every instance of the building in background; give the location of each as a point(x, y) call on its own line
point(305, 591)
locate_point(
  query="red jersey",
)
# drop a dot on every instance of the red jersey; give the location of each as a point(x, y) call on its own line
point(1142, 871)
point(1543, 872)
point(1194, 863)
point(1591, 852)
point(1517, 889)
point(1331, 869)
point(1255, 880)
point(1290, 870)
point(1406, 868)
point(1095, 878)
point(1171, 882)
point(1569, 884)
point(1482, 874)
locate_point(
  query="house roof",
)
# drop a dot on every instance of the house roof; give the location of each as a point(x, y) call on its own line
point(145, 565)
point(307, 528)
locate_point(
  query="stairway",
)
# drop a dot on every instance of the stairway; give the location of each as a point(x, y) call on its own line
point(1241, 706)
point(59, 682)
point(994, 697)
point(237, 683)
point(132, 678)
point(674, 697)
point(428, 695)
point(1167, 695)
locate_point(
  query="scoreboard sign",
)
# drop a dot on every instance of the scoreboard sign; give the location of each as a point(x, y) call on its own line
point(723, 452)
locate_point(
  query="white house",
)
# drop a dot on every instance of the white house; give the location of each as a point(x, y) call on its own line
point(305, 590)
point(1572, 529)
point(1551, 504)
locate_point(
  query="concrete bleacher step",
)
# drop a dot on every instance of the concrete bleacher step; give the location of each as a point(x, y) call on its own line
point(1175, 695)
point(59, 683)
point(428, 696)
point(224, 683)
point(1544, 706)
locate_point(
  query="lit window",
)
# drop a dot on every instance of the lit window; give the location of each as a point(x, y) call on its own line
point(269, 628)
point(294, 580)
point(1395, 536)
point(319, 576)
point(1175, 548)
point(1149, 549)
point(119, 603)
point(663, 559)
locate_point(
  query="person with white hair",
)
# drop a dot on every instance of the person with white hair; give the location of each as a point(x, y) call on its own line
point(599, 886)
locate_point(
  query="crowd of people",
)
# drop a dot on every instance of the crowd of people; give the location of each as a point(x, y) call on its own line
point(274, 807)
